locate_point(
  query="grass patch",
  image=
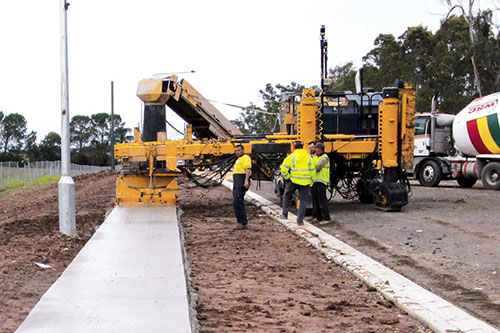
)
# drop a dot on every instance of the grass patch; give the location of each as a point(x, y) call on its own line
point(47, 180)
point(14, 184)
point(10, 186)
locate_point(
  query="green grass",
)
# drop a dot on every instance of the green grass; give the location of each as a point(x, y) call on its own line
point(10, 186)
point(47, 180)
point(15, 184)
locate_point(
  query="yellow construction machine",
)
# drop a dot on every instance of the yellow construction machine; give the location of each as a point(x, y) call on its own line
point(369, 148)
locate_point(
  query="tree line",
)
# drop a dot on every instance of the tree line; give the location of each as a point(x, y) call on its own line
point(459, 62)
point(90, 140)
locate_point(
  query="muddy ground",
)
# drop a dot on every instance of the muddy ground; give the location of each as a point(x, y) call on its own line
point(260, 279)
point(447, 240)
point(265, 278)
point(29, 226)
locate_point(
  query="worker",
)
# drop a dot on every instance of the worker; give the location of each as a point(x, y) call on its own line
point(241, 183)
point(312, 146)
point(298, 170)
point(321, 180)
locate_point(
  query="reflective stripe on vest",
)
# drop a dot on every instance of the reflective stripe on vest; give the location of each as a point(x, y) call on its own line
point(302, 169)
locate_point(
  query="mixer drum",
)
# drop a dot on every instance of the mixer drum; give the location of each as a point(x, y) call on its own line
point(476, 129)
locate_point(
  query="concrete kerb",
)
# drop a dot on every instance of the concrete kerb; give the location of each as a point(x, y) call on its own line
point(439, 314)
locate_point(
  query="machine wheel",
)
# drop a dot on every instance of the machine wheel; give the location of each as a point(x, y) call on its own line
point(366, 198)
point(430, 174)
point(490, 176)
point(466, 182)
point(364, 194)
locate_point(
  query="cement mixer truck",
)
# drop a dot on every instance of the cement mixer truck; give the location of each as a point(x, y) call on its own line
point(465, 147)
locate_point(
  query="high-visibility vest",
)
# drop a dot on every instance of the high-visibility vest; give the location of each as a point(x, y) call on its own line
point(322, 175)
point(298, 167)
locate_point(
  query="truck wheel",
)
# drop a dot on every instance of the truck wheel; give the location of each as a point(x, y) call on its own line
point(466, 182)
point(490, 176)
point(430, 174)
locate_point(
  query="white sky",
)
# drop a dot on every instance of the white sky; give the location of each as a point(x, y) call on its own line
point(235, 47)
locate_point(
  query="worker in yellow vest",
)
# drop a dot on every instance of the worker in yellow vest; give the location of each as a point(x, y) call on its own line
point(298, 171)
point(321, 181)
point(241, 183)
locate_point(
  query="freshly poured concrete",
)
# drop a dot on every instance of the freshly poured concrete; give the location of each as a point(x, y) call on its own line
point(129, 277)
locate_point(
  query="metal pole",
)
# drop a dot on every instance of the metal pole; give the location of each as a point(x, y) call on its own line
point(433, 123)
point(112, 128)
point(66, 186)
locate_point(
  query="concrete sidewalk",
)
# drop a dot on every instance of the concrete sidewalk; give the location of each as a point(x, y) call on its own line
point(129, 277)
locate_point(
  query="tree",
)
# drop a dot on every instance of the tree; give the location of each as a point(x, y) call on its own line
point(467, 10)
point(91, 136)
point(100, 123)
point(487, 50)
point(31, 149)
point(50, 147)
point(81, 132)
point(254, 120)
point(452, 69)
point(417, 46)
point(343, 77)
point(121, 132)
point(385, 61)
point(13, 132)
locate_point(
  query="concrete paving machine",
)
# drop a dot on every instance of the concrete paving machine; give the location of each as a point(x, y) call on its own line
point(368, 151)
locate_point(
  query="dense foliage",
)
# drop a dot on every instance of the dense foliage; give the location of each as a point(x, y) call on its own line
point(434, 63)
point(254, 120)
point(90, 140)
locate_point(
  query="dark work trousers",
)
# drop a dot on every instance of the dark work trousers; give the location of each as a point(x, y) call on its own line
point(239, 191)
point(303, 198)
point(320, 204)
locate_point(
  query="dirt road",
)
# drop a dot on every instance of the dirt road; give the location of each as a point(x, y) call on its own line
point(447, 240)
point(265, 278)
point(29, 226)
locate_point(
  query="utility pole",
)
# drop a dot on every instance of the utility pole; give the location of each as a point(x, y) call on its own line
point(112, 135)
point(66, 186)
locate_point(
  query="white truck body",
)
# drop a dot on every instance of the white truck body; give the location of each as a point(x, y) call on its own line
point(473, 152)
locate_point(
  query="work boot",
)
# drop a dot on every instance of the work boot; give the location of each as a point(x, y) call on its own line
point(312, 220)
point(299, 223)
point(240, 226)
point(283, 217)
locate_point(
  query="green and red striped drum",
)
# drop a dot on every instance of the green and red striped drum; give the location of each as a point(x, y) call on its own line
point(476, 129)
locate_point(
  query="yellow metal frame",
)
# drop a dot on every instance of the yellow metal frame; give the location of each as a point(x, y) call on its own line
point(150, 168)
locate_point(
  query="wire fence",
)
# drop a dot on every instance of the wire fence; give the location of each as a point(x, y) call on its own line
point(11, 172)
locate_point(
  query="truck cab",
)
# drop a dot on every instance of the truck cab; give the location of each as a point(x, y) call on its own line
point(433, 144)
point(436, 157)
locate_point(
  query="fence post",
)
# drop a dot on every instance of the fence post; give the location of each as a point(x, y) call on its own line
point(29, 172)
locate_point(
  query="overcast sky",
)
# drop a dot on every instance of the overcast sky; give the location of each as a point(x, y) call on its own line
point(235, 47)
